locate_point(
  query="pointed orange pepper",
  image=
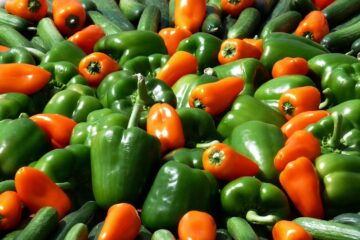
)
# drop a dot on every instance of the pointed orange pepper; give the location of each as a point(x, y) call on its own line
point(10, 210)
point(197, 225)
point(290, 66)
point(314, 26)
point(172, 37)
point(233, 49)
point(87, 37)
point(289, 230)
point(189, 14)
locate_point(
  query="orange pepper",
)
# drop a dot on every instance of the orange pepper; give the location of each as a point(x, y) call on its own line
point(197, 225)
point(314, 26)
point(164, 123)
point(302, 120)
point(301, 183)
point(10, 210)
point(189, 14)
point(258, 43)
point(69, 16)
point(290, 66)
point(300, 144)
point(95, 66)
point(227, 164)
point(122, 222)
point(37, 190)
point(32, 10)
point(172, 37)
point(235, 7)
point(298, 100)
point(87, 37)
point(217, 96)
point(57, 127)
point(3, 48)
point(289, 230)
point(321, 4)
point(233, 49)
point(179, 64)
point(23, 78)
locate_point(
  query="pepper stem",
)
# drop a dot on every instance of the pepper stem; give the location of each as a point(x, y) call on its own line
point(309, 35)
point(253, 217)
point(139, 102)
point(94, 68)
point(229, 50)
point(72, 21)
point(198, 104)
point(207, 144)
point(288, 108)
point(65, 186)
point(234, 1)
point(334, 141)
point(329, 97)
point(34, 5)
point(216, 157)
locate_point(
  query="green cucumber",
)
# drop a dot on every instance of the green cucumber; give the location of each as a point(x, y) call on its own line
point(355, 48)
point(18, 23)
point(240, 229)
point(286, 22)
point(265, 6)
point(48, 32)
point(41, 226)
point(348, 218)
point(144, 234)
point(12, 38)
point(104, 22)
point(212, 23)
point(88, 5)
point(281, 7)
point(7, 185)
point(223, 234)
point(150, 19)
point(304, 6)
point(132, 9)
point(163, 5)
point(341, 10)
point(341, 40)
point(78, 232)
point(349, 22)
point(246, 25)
point(95, 231)
point(84, 214)
point(162, 234)
point(11, 235)
point(328, 230)
point(171, 12)
point(39, 43)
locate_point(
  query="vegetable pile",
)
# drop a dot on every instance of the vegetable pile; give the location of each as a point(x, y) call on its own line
point(180, 119)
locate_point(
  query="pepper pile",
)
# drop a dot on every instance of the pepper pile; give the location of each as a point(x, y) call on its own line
point(188, 119)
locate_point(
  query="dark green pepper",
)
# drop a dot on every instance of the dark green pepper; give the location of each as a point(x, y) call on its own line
point(129, 44)
point(16, 55)
point(64, 51)
point(246, 108)
point(258, 202)
point(189, 156)
point(260, 142)
point(146, 65)
point(22, 142)
point(178, 188)
point(350, 110)
point(61, 72)
point(340, 176)
point(13, 104)
point(204, 46)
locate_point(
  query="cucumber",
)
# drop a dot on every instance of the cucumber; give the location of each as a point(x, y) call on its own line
point(212, 23)
point(171, 12)
point(105, 23)
point(304, 6)
point(223, 234)
point(163, 5)
point(88, 5)
point(144, 234)
point(78, 232)
point(348, 218)
point(12, 38)
point(18, 23)
point(281, 7)
point(132, 9)
point(11, 235)
point(95, 231)
point(341, 40)
point(38, 43)
point(246, 25)
point(240, 229)
point(162, 234)
point(349, 22)
point(41, 226)
point(84, 214)
point(340, 11)
point(355, 48)
point(327, 230)
point(111, 10)
point(286, 22)
point(265, 6)
point(48, 32)
point(7, 185)
point(150, 19)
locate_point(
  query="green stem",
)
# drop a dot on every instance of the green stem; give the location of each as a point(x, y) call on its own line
point(72, 21)
point(94, 68)
point(334, 141)
point(309, 35)
point(253, 217)
point(209, 71)
point(34, 5)
point(216, 157)
point(329, 97)
point(288, 108)
point(36, 53)
point(198, 104)
point(207, 144)
point(229, 50)
point(65, 186)
point(139, 102)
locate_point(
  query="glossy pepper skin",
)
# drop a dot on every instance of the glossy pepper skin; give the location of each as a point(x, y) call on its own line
point(278, 45)
point(260, 142)
point(13, 104)
point(20, 132)
point(32, 10)
point(314, 26)
point(204, 46)
point(16, 55)
point(129, 44)
point(188, 156)
point(340, 176)
point(289, 230)
point(246, 108)
point(177, 188)
point(350, 110)
point(258, 202)
point(189, 15)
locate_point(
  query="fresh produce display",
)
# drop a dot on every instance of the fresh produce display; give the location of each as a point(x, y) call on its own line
point(179, 119)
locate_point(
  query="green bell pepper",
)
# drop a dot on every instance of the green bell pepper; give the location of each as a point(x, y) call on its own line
point(72, 104)
point(16, 55)
point(340, 176)
point(177, 189)
point(61, 72)
point(71, 166)
point(246, 108)
point(77, 78)
point(251, 70)
point(147, 66)
point(270, 92)
point(204, 46)
point(198, 126)
point(343, 83)
point(336, 134)
point(188, 156)
point(82, 89)
point(278, 45)
point(13, 104)
point(130, 44)
point(22, 142)
point(350, 110)
point(123, 160)
point(260, 142)
point(64, 51)
point(258, 202)
point(97, 120)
